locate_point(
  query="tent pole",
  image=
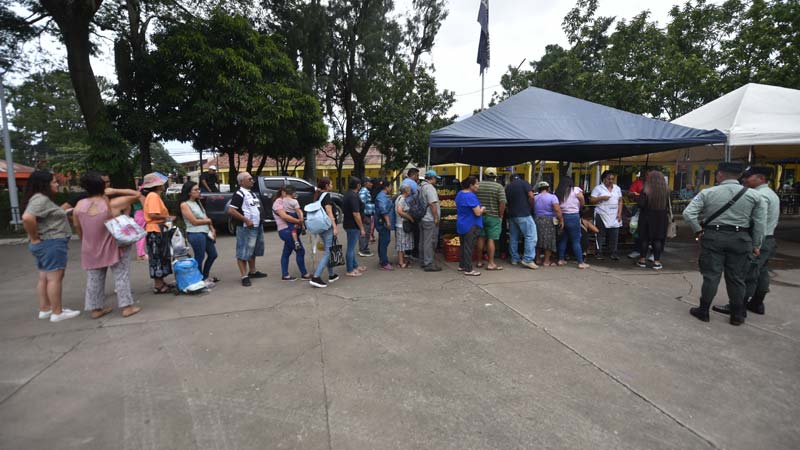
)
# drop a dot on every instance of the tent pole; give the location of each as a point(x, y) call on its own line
point(429, 158)
point(483, 79)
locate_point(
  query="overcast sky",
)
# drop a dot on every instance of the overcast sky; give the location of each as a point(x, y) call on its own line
point(518, 29)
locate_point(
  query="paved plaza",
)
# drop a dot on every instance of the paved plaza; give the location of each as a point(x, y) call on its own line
point(558, 358)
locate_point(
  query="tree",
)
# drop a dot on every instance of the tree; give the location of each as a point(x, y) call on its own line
point(162, 161)
point(231, 90)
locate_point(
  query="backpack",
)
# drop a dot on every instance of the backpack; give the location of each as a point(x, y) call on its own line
point(417, 207)
point(317, 220)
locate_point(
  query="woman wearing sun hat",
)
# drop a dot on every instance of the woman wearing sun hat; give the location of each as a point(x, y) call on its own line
point(156, 215)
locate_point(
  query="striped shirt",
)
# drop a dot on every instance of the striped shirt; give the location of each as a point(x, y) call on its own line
point(491, 194)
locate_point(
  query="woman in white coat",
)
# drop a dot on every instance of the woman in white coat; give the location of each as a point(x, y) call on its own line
point(608, 213)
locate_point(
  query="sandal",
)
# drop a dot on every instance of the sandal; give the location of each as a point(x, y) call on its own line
point(479, 265)
point(472, 273)
point(403, 266)
point(164, 289)
point(129, 312)
point(583, 266)
point(561, 263)
point(354, 273)
point(494, 268)
point(98, 313)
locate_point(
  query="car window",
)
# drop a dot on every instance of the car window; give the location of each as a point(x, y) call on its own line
point(273, 183)
point(301, 186)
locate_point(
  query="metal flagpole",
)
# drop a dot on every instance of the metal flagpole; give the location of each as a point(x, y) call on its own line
point(483, 78)
point(12, 180)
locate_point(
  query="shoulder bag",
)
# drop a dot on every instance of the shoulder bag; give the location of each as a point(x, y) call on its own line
point(724, 208)
point(336, 255)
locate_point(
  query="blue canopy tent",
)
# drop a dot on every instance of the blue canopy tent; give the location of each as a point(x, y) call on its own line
point(537, 124)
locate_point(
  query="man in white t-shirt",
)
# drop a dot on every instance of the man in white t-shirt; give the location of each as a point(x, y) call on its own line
point(246, 210)
point(608, 213)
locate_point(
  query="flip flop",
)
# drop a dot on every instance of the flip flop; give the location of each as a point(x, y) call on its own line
point(473, 273)
point(165, 289)
point(132, 311)
point(494, 268)
point(561, 263)
point(479, 265)
point(98, 313)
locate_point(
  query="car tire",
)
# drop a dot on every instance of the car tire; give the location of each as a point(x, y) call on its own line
point(338, 213)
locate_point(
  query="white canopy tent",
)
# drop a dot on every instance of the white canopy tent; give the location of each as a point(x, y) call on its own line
point(762, 124)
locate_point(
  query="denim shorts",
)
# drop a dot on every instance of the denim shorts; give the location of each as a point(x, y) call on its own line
point(249, 242)
point(50, 254)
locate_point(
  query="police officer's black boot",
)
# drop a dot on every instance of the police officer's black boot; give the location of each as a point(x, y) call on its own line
point(756, 303)
point(726, 309)
point(701, 313)
point(737, 314)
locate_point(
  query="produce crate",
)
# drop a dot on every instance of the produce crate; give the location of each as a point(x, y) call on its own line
point(452, 253)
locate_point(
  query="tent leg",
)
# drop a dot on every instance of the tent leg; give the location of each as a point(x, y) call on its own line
point(428, 165)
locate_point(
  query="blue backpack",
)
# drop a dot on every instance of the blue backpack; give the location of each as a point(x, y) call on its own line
point(317, 220)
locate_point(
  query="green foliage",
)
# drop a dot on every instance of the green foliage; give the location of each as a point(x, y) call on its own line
point(162, 162)
point(231, 89)
point(705, 50)
point(49, 128)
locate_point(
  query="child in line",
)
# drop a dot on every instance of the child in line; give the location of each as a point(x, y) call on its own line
point(292, 208)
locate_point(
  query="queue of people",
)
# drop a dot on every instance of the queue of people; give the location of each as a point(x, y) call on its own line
point(736, 224)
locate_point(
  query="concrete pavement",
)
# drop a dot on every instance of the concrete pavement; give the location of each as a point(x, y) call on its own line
point(605, 358)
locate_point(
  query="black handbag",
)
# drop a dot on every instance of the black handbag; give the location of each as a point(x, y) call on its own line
point(407, 227)
point(336, 255)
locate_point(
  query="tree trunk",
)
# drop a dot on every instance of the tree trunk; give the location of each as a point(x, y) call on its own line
point(250, 154)
point(233, 172)
point(261, 165)
point(144, 153)
point(310, 167)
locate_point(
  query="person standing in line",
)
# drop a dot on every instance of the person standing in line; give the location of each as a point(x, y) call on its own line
point(469, 222)
point(548, 218)
point(156, 216)
point(571, 201)
point(141, 244)
point(287, 224)
point(247, 211)
point(353, 226)
point(520, 222)
point(208, 180)
point(608, 198)
point(365, 196)
point(493, 198)
point(324, 186)
point(653, 205)
point(383, 213)
point(200, 230)
point(429, 226)
point(412, 181)
point(403, 236)
point(731, 233)
point(49, 232)
point(99, 250)
point(757, 274)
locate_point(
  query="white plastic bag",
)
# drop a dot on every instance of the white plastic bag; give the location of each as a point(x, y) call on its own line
point(634, 223)
point(178, 243)
point(125, 230)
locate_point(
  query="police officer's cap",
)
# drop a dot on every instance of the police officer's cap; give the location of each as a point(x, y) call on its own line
point(759, 170)
point(730, 167)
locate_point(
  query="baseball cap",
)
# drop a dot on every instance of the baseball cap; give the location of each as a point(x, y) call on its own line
point(490, 172)
point(542, 184)
point(212, 167)
point(432, 174)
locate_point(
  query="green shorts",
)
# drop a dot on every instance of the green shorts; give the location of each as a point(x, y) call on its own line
point(491, 227)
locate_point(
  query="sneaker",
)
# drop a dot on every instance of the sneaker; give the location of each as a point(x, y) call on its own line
point(209, 283)
point(45, 314)
point(641, 264)
point(634, 254)
point(257, 274)
point(317, 282)
point(246, 282)
point(333, 278)
point(657, 266)
point(432, 268)
point(306, 277)
point(651, 258)
point(297, 245)
point(514, 263)
point(529, 265)
point(288, 278)
point(366, 253)
point(65, 314)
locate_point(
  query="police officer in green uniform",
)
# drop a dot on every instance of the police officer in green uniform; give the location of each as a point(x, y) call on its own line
point(757, 279)
point(729, 242)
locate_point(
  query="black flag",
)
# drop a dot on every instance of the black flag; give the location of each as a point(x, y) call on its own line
point(483, 46)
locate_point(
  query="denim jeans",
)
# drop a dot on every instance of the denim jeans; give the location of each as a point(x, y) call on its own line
point(364, 242)
point(572, 233)
point(327, 240)
point(384, 236)
point(288, 248)
point(527, 227)
point(352, 244)
point(203, 248)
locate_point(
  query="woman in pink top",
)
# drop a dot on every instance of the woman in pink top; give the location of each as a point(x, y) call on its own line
point(99, 249)
point(571, 200)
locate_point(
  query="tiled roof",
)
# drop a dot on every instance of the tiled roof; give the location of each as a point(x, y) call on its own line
point(374, 157)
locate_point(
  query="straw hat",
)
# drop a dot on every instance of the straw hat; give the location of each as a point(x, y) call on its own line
point(153, 179)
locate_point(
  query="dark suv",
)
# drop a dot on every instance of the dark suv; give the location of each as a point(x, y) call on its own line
point(216, 203)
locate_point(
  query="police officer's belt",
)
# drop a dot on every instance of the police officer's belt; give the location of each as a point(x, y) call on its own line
point(726, 228)
point(724, 208)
